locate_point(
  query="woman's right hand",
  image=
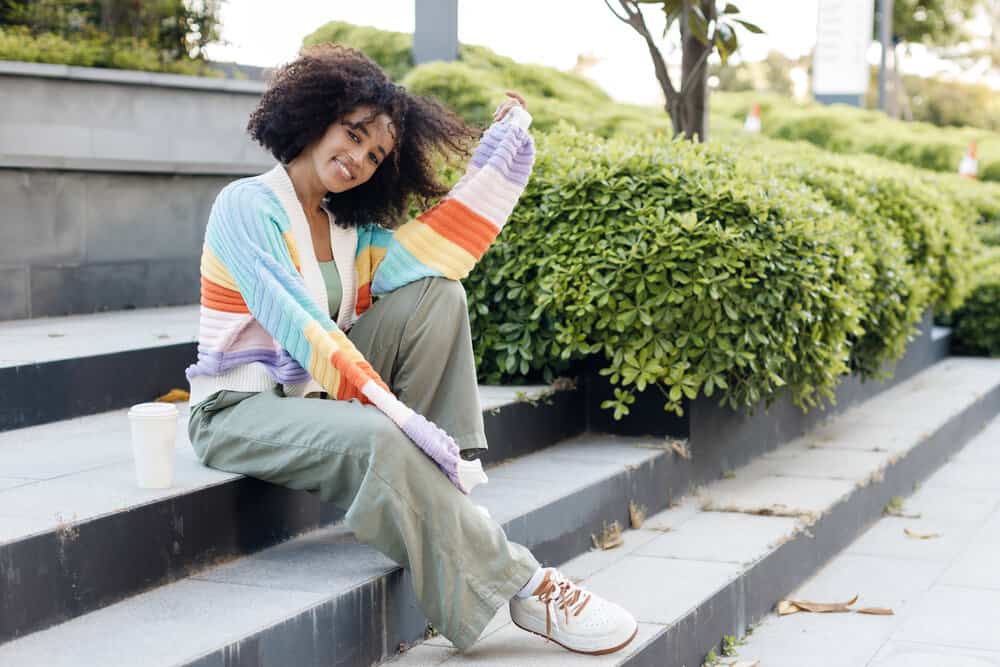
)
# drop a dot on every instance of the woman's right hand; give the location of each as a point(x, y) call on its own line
point(515, 99)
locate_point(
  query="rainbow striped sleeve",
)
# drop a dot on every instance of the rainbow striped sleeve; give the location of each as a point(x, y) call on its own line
point(249, 244)
point(448, 239)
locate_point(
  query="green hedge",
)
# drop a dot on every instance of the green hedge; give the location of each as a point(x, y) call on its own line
point(709, 268)
point(738, 269)
point(919, 233)
point(844, 129)
point(976, 325)
point(18, 44)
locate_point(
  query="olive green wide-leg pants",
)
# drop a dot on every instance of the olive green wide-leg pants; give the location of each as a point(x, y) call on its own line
point(396, 499)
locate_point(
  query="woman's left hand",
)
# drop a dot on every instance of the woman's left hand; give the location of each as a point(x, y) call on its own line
point(516, 100)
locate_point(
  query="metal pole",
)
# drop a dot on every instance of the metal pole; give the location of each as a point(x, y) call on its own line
point(435, 30)
point(885, 36)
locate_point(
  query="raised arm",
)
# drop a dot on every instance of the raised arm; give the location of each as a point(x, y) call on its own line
point(449, 238)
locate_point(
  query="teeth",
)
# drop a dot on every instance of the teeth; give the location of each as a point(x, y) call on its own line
point(347, 174)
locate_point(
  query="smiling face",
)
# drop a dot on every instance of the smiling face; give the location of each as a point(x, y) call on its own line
point(352, 149)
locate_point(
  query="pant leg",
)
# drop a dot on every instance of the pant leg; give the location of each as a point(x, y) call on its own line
point(417, 338)
point(396, 499)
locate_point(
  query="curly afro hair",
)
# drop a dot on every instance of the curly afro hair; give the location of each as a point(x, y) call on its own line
point(328, 81)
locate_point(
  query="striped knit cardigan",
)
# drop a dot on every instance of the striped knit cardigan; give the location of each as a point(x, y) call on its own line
point(259, 323)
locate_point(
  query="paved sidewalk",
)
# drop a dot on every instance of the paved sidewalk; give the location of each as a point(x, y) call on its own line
point(945, 591)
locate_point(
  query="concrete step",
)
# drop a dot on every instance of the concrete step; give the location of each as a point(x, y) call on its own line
point(323, 599)
point(944, 591)
point(76, 534)
point(721, 559)
point(57, 368)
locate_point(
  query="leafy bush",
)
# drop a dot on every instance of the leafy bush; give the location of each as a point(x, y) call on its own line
point(919, 235)
point(703, 270)
point(18, 44)
point(844, 129)
point(976, 325)
point(391, 50)
point(706, 269)
point(990, 171)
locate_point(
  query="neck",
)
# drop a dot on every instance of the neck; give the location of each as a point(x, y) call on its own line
point(308, 188)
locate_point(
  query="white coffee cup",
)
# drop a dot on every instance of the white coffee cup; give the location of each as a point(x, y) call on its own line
point(154, 430)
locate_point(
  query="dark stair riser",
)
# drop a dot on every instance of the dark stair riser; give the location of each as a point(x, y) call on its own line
point(33, 394)
point(59, 575)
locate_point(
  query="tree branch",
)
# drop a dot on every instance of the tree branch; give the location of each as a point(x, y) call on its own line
point(696, 69)
point(612, 9)
point(638, 24)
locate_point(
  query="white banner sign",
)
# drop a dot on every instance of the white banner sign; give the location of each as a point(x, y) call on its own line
point(843, 35)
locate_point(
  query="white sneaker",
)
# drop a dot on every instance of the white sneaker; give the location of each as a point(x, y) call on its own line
point(572, 617)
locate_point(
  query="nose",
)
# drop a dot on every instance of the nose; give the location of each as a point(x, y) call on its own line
point(357, 155)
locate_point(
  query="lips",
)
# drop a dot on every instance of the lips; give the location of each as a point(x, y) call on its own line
point(345, 172)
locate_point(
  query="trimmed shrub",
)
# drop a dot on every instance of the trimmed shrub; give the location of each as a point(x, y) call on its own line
point(990, 171)
point(688, 267)
point(391, 50)
point(738, 271)
point(976, 325)
point(844, 129)
point(919, 241)
point(18, 44)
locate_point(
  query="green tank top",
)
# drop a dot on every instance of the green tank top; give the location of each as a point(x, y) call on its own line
point(334, 288)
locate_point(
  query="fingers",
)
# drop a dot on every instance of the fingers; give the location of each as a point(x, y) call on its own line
point(520, 98)
point(507, 105)
point(502, 110)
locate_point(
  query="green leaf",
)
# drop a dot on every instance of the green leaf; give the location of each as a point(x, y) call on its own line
point(698, 24)
point(750, 26)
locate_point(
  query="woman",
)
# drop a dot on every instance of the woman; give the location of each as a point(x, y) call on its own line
point(291, 261)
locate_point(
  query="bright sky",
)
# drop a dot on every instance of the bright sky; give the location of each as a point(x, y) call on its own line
point(549, 32)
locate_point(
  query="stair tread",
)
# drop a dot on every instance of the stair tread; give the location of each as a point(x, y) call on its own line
point(681, 557)
point(80, 469)
point(49, 339)
point(187, 618)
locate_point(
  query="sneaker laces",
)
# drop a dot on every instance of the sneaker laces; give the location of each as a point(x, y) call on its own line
point(559, 593)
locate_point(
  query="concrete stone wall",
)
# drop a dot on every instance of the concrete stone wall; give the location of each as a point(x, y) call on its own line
point(106, 181)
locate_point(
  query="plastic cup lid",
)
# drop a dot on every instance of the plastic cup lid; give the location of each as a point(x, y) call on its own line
point(153, 410)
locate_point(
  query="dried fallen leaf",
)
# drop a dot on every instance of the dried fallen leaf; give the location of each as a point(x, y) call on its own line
point(878, 611)
point(174, 396)
point(785, 607)
point(743, 663)
point(817, 607)
point(636, 514)
point(611, 537)
point(920, 536)
point(902, 515)
point(681, 450)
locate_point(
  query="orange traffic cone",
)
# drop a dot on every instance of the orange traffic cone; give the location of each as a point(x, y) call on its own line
point(969, 165)
point(752, 123)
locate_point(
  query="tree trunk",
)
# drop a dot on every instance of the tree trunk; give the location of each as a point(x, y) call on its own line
point(694, 75)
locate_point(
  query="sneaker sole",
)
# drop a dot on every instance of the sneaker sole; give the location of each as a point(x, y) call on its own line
point(603, 651)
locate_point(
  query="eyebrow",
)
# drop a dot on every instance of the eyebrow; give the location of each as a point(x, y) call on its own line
point(361, 128)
